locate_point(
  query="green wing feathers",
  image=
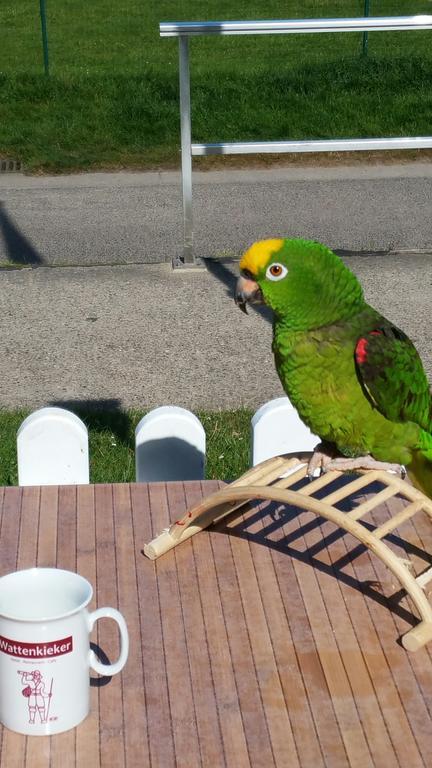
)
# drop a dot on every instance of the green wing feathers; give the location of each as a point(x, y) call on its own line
point(393, 378)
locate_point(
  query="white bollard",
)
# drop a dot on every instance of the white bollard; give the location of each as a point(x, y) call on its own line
point(277, 429)
point(52, 446)
point(170, 444)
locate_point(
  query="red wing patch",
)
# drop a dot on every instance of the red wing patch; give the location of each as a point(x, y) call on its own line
point(360, 351)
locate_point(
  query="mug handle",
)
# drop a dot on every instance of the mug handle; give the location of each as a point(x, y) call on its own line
point(109, 669)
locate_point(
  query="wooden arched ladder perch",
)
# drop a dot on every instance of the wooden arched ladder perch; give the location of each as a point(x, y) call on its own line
point(272, 480)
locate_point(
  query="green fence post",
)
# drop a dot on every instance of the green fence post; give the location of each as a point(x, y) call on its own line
point(44, 35)
point(366, 34)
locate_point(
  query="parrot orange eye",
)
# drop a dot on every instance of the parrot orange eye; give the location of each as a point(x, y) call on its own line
point(276, 272)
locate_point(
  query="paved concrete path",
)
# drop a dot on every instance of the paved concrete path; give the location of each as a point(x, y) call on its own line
point(121, 218)
point(142, 335)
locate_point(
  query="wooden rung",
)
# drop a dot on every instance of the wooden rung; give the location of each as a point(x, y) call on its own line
point(424, 578)
point(315, 485)
point(276, 468)
point(286, 472)
point(275, 474)
point(398, 519)
point(287, 480)
point(356, 485)
point(405, 489)
point(291, 475)
point(374, 501)
point(258, 475)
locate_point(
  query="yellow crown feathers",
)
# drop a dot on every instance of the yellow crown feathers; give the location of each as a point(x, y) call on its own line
point(257, 256)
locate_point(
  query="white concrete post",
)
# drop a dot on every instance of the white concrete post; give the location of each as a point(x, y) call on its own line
point(52, 447)
point(170, 444)
point(277, 429)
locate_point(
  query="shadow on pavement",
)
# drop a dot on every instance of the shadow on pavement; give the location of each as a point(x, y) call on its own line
point(19, 249)
point(219, 269)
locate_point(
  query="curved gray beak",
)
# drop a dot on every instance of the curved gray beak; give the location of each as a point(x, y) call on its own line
point(247, 292)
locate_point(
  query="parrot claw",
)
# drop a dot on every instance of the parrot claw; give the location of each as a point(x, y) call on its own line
point(318, 461)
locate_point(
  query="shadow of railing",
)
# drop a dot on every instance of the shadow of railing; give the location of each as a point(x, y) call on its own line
point(219, 269)
point(18, 249)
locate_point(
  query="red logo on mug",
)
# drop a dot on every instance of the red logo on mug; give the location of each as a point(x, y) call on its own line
point(36, 650)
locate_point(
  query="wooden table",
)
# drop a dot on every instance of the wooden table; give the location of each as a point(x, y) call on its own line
point(269, 640)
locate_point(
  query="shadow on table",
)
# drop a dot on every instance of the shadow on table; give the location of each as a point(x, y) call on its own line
point(99, 682)
point(280, 528)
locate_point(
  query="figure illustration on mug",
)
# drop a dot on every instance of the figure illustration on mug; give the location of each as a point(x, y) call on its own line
point(37, 698)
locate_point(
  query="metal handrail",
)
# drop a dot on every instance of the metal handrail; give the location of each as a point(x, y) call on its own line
point(313, 145)
point(294, 26)
point(185, 29)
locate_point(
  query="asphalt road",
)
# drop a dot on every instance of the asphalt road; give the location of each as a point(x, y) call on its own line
point(137, 333)
point(127, 218)
point(141, 335)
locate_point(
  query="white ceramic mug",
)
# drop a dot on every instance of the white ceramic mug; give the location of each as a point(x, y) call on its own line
point(45, 655)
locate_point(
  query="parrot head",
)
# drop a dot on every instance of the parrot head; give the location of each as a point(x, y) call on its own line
point(305, 283)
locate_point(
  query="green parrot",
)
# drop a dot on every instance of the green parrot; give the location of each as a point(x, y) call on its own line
point(355, 379)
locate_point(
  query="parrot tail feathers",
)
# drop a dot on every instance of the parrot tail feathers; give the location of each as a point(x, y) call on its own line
point(420, 471)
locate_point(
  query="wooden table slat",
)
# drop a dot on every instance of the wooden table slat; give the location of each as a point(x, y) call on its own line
point(224, 694)
point(198, 660)
point(250, 698)
point(47, 532)
point(278, 618)
point(157, 725)
point(343, 629)
point(67, 528)
point(128, 560)
point(396, 728)
point(10, 529)
point(87, 735)
point(272, 693)
point(335, 674)
point(112, 726)
point(417, 712)
point(29, 528)
point(182, 714)
point(318, 700)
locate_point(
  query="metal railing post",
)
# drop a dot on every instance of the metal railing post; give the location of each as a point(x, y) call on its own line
point(366, 34)
point(42, 9)
point(186, 149)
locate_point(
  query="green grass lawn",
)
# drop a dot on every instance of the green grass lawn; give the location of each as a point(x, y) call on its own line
point(112, 97)
point(112, 440)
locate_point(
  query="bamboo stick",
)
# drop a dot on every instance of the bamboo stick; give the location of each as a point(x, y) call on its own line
point(398, 519)
point(347, 490)
point(424, 578)
point(373, 502)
